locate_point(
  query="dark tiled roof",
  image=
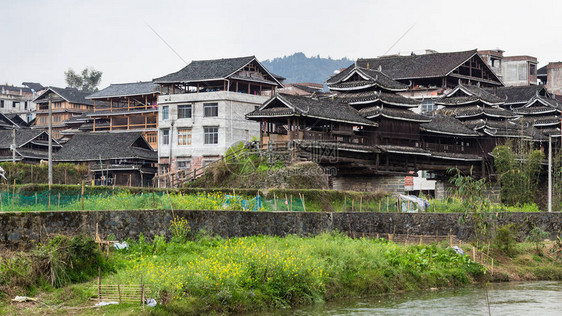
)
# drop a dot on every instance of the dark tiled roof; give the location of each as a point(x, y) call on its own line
point(6, 122)
point(442, 124)
point(418, 66)
point(540, 120)
point(201, 70)
point(393, 113)
point(96, 146)
point(467, 94)
point(514, 95)
point(457, 101)
point(542, 71)
point(535, 110)
point(71, 95)
point(455, 156)
point(35, 86)
point(14, 88)
point(305, 88)
point(22, 136)
point(498, 112)
point(374, 78)
point(482, 94)
point(544, 101)
point(126, 89)
point(475, 124)
point(318, 108)
point(404, 150)
point(374, 96)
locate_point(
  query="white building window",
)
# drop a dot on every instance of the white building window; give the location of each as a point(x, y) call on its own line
point(183, 164)
point(211, 109)
point(165, 136)
point(184, 136)
point(211, 135)
point(165, 112)
point(184, 111)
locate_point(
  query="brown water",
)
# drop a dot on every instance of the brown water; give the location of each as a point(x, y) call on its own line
point(511, 298)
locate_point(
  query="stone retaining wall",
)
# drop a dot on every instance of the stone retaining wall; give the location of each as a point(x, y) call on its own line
point(21, 230)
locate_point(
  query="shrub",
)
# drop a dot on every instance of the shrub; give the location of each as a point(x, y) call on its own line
point(504, 239)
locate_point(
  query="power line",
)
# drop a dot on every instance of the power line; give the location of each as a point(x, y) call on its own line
point(163, 40)
point(398, 40)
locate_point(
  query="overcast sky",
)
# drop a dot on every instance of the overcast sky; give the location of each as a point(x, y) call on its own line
point(42, 39)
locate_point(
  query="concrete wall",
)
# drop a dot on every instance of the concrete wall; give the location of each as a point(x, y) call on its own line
point(444, 188)
point(20, 230)
point(233, 127)
point(391, 184)
point(554, 78)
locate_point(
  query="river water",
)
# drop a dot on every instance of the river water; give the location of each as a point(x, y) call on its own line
point(510, 298)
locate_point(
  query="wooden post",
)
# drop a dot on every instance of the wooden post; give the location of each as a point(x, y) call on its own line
point(81, 196)
point(344, 202)
point(473, 253)
point(380, 202)
point(13, 193)
point(387, 203)
point(421, 239)
point(58, 206)
point(302, 200)
point(291, 202)
point(287, 202)
point(99, 281)
point(492, 271)
point(450, 237)
point(361, 203)
point(142, 292)
point(274, 202)
point(352, 204)
point(119, 292)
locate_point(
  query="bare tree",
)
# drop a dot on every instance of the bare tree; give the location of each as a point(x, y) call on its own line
point(87, 81)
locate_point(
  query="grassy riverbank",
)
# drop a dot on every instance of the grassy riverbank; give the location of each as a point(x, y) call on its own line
point(241, 274)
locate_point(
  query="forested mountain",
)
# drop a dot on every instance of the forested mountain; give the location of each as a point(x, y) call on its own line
point(299, 68)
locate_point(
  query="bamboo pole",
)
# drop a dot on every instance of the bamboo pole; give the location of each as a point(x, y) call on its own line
point(361, 203)
point(99, 278)
point(119, 291)
point(13, 194)
point(35, 198)
point(380, 202)
point(81, 196)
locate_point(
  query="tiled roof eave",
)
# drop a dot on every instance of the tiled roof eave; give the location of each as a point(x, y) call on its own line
point(452, 133)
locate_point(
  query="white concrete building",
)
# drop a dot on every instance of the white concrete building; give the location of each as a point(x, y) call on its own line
point(16, 100)
point(201, 111)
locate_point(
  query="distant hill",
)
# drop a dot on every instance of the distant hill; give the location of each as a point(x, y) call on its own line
point(299, 68)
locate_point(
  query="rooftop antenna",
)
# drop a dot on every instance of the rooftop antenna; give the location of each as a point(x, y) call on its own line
point(163, 40)
point(398, 40)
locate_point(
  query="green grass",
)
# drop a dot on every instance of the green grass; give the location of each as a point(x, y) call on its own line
point(242, 274)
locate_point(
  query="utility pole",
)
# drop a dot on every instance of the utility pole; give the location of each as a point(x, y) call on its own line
point(14, 145)
point(549, 173)
point(50, 142)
